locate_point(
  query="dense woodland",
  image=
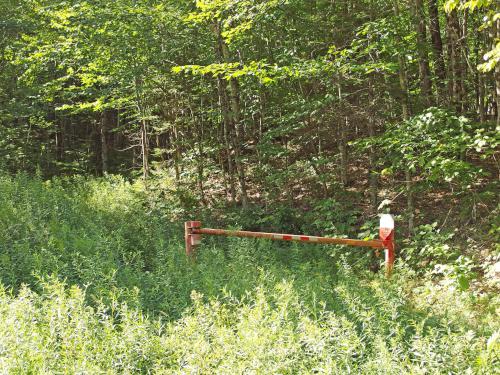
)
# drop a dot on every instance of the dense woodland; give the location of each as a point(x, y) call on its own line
point(248, 101)
point(121, 119)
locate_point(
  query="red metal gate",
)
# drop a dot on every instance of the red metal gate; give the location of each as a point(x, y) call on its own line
point(194, 231)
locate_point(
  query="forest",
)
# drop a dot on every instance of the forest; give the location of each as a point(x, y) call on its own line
point(121, 120)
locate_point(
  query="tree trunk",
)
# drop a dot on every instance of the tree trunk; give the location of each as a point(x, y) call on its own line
point(177, 155)
point(144, 136)
point(200, 166)
point(236, 120)
point(373, 178)
point(344, 163)
point(223, 102)
point(464, 52)
point(145, 149)
point(342, 144)
point(455, 64)
point(497, 79)
point(237, 140)
point(437, 44)
point(104, 142)
point(423, 63)
point(403, 81)
point(480, 93)
point(405, 106)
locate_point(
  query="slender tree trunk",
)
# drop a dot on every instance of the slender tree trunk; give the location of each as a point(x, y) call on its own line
point(144, 136)
point(342, 144)
point(223, 102)
point(201, 173)
point(104, 142)
point(177, 155)
point(373, 177)
point(344, 163)
point(224, 105)
point(289, 189)
point(161, 141)
point(52, 117)
point(464, 71)
point(58, 141)
point(455, 63)
point(145, 149)
point(237, 138)
point(237, 141)
point(201, 160)
point(423, 63)
point(372, 154)
point(437, 44)
point(480, 93)
point(492, 106)
point(94, 146)
point(403, 83)
point(497, 79)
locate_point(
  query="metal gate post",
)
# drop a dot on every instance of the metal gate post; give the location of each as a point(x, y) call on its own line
point(192, 239)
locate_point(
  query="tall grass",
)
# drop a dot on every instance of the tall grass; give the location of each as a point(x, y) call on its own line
point(95, 281)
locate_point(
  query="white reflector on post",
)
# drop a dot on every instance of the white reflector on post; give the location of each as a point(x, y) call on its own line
point(386, 221)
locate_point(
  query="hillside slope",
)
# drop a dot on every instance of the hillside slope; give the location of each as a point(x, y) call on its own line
point(95, 280)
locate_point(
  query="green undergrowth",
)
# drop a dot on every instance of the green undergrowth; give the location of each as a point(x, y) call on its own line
point(95, 280)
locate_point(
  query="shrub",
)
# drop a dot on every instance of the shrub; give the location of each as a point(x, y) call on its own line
point(132, 303)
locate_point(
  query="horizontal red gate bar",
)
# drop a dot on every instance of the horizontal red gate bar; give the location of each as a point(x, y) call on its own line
point(375, 244)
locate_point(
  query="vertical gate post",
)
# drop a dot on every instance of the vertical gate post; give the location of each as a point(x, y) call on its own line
point(386, 232)
point(192, 239)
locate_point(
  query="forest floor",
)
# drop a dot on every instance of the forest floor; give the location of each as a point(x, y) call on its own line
point(94, 279)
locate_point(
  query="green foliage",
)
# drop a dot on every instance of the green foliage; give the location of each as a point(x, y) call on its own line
point(430, 252)
point(429, 246)
point(490, 19)
point(266, 330)
point(229, 98)
point(462, 271)
point(132, 303)
point(331, 217)
point(436, 145)
point(236, 17)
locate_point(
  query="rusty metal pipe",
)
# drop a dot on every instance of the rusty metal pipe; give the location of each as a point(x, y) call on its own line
point(193, 232)
point(375, 244)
